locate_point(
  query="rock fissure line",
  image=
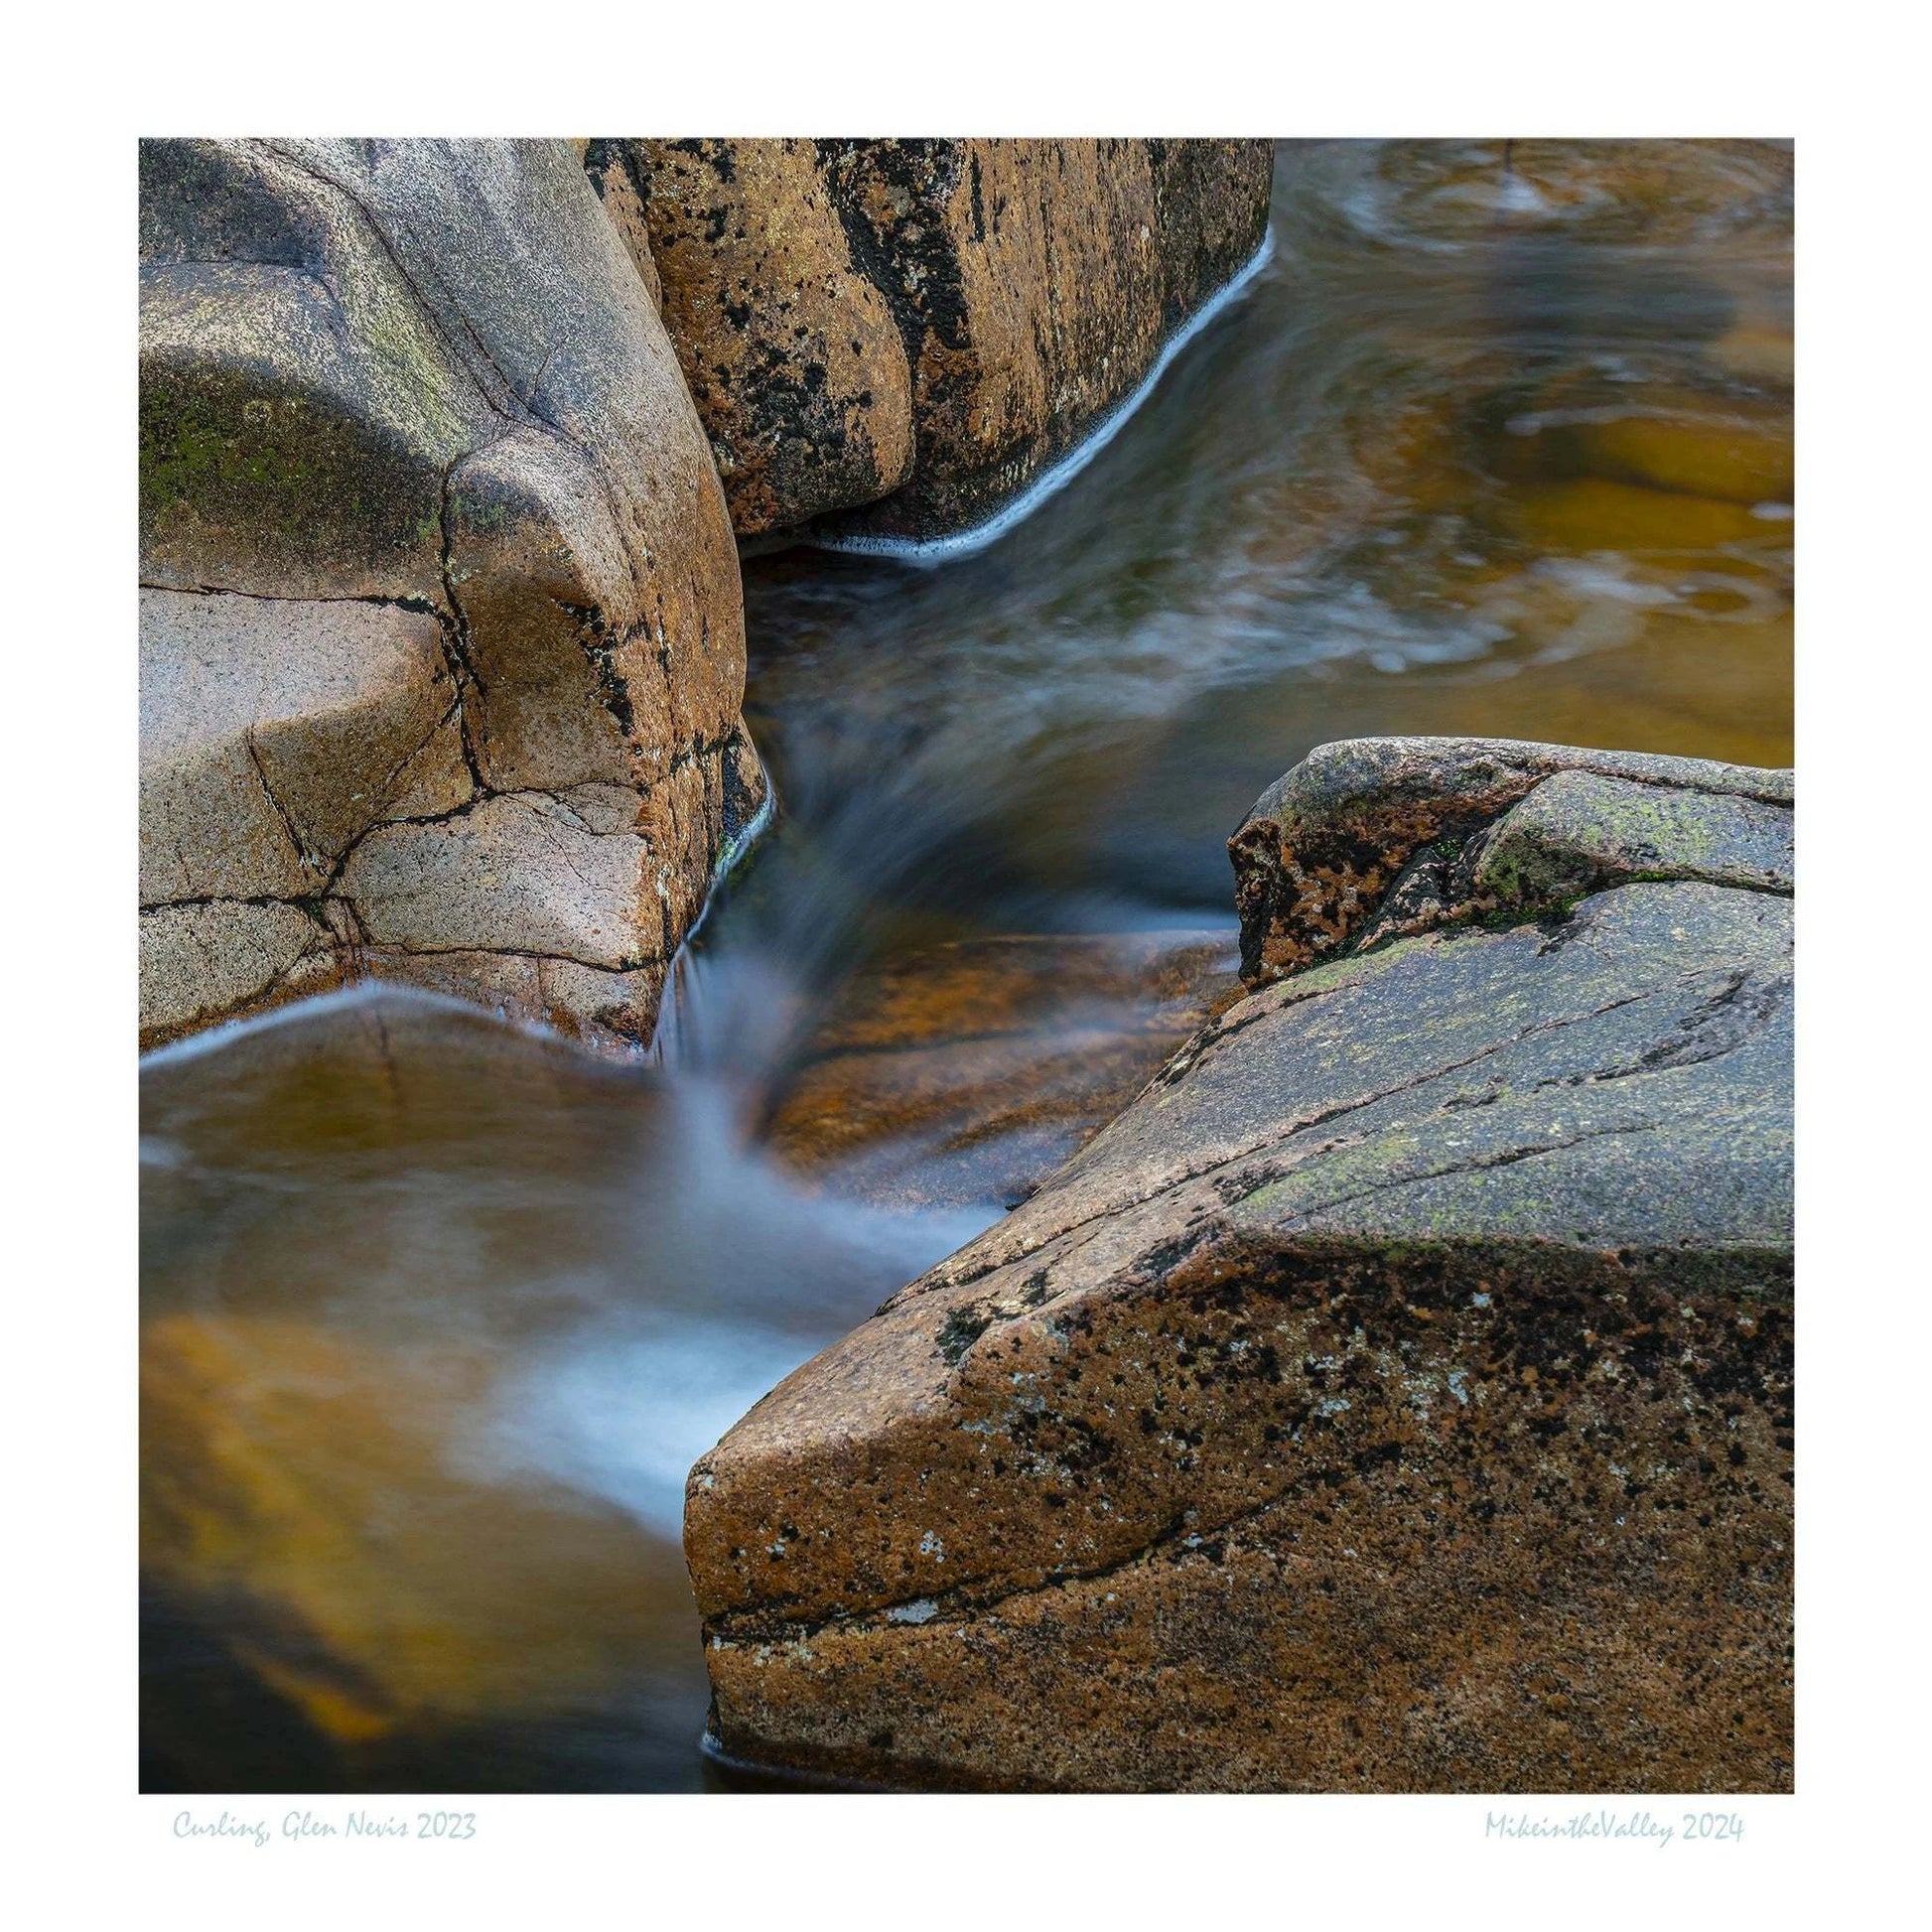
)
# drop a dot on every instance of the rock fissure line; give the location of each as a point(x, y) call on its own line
point(297, 843)
point(421, 606)
point(372, 227)
point(991, 1589)
point(458, 646)
point(309, 903)
point(483, 796)
point(626, 965)
point(1272, 1141)
point(1502, 1158)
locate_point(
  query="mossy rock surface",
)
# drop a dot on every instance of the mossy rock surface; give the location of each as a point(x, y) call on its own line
point(431, 538)
point(1370, 838)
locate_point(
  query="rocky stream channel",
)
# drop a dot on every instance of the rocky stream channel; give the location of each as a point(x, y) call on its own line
point(439, 1308)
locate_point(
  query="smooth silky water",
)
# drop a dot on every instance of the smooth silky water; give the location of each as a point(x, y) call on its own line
point(436, 1312)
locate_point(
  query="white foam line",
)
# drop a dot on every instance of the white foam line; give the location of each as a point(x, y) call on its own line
point(739, 847)
point(962, 543)
point(224, 1032)
point(736, 851)
point(734, 856)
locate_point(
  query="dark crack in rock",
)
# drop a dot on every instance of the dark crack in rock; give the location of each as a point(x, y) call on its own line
point(431, 539)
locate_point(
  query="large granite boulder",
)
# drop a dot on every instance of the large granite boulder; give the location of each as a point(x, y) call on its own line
point(1396, 1397)
point(909, 331)
point(441, 638)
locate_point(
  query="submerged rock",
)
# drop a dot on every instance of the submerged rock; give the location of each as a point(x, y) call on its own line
point(317, 1494)
point(441, 593)
point(1397, 1396)
point(922, 327)
point(967, 1073)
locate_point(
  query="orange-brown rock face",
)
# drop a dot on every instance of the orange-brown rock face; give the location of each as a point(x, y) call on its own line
point(899, 335)
point(442, 634)
point(1396, 1397)
point(793, 356)
point(969, 1072)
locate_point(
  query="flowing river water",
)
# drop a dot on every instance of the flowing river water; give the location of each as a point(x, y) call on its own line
point(436, 1312)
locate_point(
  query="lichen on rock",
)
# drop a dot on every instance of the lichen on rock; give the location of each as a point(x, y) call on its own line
point(432, 539)
point(891, 339)
point(1372, 836)
point(1396, 1397)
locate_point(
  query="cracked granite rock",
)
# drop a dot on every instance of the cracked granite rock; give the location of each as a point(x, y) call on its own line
point(441, 638)
point(1396, 1397)
point(921, 327)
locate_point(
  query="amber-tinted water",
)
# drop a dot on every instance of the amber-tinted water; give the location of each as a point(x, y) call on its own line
point(435, 1314)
